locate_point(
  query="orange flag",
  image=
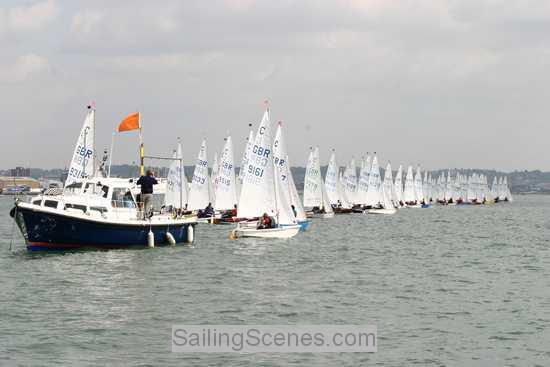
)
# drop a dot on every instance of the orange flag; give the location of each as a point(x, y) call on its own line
point(130, 123)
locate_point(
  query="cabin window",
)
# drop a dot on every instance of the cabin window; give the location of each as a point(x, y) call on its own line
point(76, 206)
point(122, 198)
point(50, 203)
point(37, 202)
point(74, 187)
point(104, 191)
point(100, 209)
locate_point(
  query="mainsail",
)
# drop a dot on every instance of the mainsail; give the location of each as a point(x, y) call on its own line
point(282, 180)
point(83, 159)
point(363, 185)
point(294, 197)
point(331, 181)
point(388, 187)
point(374, 196)
point(418, 184)
point(350, 179)
point(258, 190)
point(313, 194)
point(398, 185)
point(199, 196)
point(176, 183)
point(282, 170)
point(409, 194)
point(226, 191)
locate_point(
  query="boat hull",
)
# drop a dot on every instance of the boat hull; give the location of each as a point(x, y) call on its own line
point(52, 231)
point(381, 211)
point(322, 215)
point(303, 225)
point(279, 232)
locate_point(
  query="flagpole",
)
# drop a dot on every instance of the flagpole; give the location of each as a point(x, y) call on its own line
point(141, 149)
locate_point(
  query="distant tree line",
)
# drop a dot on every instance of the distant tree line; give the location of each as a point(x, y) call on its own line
point(519, 181)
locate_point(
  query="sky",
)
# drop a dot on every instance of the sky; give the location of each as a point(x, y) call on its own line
point(444, 84)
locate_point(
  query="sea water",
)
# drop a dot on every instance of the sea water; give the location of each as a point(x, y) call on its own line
point(454, 286)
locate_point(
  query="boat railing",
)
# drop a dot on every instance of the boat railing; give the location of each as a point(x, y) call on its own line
point(125, 209)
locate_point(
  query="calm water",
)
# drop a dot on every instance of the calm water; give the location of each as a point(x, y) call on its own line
point(455, 286)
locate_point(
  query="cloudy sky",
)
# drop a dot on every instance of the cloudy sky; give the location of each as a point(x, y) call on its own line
point(442, 83)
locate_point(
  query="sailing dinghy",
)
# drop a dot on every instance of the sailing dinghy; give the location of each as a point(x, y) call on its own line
point(261, 192)
point(201, 193)
point(378, 194)
point(315, 195)
point(288, 187)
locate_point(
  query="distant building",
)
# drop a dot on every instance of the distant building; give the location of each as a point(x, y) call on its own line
point(20, 172)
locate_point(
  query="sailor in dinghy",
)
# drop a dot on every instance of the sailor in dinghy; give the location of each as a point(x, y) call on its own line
point(262, 191)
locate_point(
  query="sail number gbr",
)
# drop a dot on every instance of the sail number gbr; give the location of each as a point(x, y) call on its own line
point(257, 162)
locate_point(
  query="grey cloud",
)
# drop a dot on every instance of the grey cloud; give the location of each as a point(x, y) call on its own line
point(442, 83)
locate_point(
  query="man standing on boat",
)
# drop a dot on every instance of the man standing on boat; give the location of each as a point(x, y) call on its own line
point(146, 183)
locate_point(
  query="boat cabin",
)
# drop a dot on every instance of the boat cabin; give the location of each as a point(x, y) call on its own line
point(105, 197)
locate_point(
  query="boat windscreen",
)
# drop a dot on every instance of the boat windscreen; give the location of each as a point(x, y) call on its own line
point(122, 198)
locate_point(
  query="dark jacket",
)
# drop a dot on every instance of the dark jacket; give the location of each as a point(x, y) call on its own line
point(147, 183)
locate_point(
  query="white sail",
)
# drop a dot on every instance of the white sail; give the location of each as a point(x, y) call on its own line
point(287, 189)
point(386, 195)
point(284, 213)
point(331, 180)
point(258, 190)
point(398, 185)
point(350, 180)
point(226, 191)
point(426, 187)
point(363, 184)
point(507, 189)
point(374, 196)
point(494, 187)
point(326, 202)
point(409, 193)
point(388, 187)
point(199, 195)
point(83, 159)
point(176, 183)
point(345, 202)
point(294, 197)
point(313, 194)
point(418, 184)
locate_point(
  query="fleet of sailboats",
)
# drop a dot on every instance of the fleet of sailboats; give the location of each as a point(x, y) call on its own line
point(262, 197)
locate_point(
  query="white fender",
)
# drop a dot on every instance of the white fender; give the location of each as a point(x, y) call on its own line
point(190, 234)
point(150, 239)
point(170, 239)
